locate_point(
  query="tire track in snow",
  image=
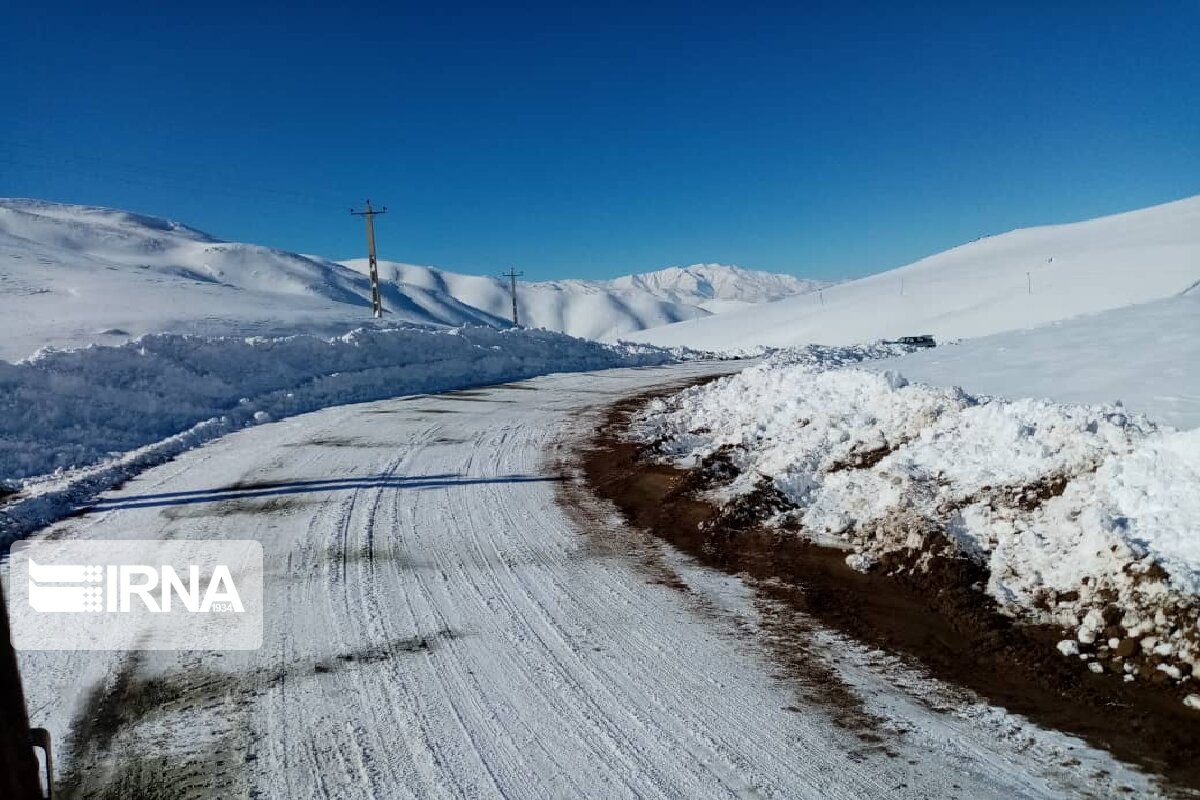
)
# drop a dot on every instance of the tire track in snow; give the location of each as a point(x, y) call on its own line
point(605, 702)
point(430, 591)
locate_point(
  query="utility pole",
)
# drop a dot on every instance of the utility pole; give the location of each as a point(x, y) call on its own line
point(1029, 283)
point(370, 214)
point(512, 276)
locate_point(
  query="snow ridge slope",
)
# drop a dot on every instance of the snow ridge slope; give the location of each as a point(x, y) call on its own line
point(1013, 281)
point(77, 275)
point(1144, 356)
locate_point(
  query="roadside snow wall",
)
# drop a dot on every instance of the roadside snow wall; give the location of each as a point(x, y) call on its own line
point(1087, 517)
point(116, 410)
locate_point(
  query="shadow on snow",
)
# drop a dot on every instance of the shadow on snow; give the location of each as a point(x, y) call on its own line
point(244, 490)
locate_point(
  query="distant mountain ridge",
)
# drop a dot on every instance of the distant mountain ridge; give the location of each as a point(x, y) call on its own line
point(604, 309)
point(700, 283)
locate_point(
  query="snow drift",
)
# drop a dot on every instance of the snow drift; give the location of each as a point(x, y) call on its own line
point(1017, 280)
point(1085, 516)
point(63, 410)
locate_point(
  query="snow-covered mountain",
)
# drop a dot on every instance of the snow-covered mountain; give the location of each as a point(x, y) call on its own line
point(604, 309)
point(1013, 281)
point(75, 275)
point(717, 286)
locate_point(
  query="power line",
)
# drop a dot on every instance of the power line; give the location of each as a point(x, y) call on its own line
point(369, 214)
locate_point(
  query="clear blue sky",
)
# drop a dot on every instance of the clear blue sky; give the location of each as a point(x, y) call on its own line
point(573, 141)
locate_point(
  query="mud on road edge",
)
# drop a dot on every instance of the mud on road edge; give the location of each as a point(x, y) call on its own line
point(939, 619)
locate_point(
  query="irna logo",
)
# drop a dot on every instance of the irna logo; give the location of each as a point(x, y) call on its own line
point(73, 588)
point(121, 594)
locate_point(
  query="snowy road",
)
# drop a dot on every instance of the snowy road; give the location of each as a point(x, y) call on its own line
point(440, 626)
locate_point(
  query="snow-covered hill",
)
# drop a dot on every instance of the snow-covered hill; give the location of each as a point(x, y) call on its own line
point(1013, 281)
point(75, 275)
point(1144, 356)
point(605, 309)
point(580, 308)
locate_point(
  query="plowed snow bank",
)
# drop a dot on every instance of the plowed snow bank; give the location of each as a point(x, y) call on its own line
point(1086, 516)
point(161, 394)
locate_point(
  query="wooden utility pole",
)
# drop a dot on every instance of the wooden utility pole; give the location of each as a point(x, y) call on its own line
point(370, 214)
point(512, 276)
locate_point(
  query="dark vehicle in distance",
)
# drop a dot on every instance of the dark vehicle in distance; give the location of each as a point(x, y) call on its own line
point(924, 340)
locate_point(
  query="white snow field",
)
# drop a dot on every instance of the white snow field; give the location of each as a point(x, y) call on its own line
point(439, 626)
point(605, 310)
point(1000, 283)
point(1146, 356)
point(1072, 508)
point(77, 275)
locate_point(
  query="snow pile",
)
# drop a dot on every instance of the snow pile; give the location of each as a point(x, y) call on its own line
point(1085, 516)
point(64, 409)
point(822, 356)
point(1000, 283)
point(813, 355)
point(68, 409)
